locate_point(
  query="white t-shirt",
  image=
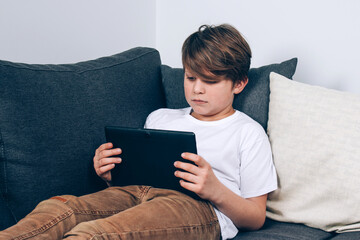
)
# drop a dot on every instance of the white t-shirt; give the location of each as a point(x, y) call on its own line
point(236, 147)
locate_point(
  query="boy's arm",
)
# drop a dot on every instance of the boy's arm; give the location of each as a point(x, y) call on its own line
point(245, 213)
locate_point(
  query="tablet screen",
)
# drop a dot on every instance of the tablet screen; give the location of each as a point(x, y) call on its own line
point(148, 156)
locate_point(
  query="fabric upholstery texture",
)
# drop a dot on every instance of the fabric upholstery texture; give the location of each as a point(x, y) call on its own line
point(253, 100)
point(315, 138)
point(273, 230)
point(6, 217)
point(53, 117)
point(347, 236)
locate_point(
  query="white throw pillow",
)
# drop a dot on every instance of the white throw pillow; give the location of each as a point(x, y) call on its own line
point(315, 138)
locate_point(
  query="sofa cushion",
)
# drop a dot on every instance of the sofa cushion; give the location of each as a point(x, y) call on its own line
point(274, 230)
point(6, 217)
point(53, 116)
point(254, 100)
point(315, 138)
point(347, 236)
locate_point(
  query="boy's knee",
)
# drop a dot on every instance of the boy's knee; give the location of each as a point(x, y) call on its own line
point(57, 202)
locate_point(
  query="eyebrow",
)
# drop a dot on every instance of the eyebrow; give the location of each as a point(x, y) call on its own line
point(205, 77)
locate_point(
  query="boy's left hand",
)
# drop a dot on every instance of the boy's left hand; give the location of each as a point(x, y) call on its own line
point(199, 178)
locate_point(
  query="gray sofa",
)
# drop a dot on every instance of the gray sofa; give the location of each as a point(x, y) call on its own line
point(52, 119)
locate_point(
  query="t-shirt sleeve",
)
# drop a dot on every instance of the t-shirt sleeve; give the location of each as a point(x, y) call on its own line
point(148, 121)
point(257, 171)
point(153, 118)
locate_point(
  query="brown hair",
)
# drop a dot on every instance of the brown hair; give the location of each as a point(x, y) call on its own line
point(220, 50)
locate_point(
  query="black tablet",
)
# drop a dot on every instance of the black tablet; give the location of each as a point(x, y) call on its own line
point(148, 156)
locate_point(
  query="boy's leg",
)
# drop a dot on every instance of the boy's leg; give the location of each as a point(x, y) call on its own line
point(162, 214)
point(52, 218)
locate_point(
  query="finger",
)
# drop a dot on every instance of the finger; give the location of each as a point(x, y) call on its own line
point(188, 185)
point(104, 169)
point(104, 146)
point(189, 167)
point(106, 161)
point(186, 176)
point(109, 153)
point(194, 158)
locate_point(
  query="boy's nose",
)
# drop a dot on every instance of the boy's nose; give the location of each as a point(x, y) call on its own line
point(198, 87)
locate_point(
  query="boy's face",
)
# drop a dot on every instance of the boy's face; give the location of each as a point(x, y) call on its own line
point(212, 98)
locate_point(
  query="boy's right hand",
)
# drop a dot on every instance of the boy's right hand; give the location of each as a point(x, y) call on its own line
point(104, 161)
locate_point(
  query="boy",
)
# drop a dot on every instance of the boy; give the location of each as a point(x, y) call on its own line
point(233, 172)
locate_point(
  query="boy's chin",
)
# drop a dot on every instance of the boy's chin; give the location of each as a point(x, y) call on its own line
point(199, 110)
point(202, 115)
point(207, 115)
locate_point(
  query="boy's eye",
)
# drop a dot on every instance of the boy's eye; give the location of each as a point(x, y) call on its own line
point(190, 78)
point(211, 82)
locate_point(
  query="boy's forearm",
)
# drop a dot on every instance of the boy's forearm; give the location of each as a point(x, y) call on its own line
point(247, 214)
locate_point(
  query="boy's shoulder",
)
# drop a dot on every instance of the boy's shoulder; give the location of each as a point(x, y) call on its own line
point(166, 114)
point(248, 126)
point(245, 119)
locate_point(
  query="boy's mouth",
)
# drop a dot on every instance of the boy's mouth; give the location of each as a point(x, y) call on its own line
point(198, 101)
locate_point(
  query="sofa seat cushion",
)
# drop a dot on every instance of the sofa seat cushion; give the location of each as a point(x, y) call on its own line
point(274, 230)
point(347, 236)
point(53, 116)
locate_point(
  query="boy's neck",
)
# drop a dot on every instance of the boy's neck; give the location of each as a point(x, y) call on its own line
point(216, 117)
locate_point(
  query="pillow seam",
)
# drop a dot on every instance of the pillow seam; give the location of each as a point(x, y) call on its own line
point(79, 72)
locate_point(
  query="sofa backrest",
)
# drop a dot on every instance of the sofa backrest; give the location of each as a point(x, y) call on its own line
point(52, 119)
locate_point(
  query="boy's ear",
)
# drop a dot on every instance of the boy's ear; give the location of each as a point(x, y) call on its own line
point(239, 86)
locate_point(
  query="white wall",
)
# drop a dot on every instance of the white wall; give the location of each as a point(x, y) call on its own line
point(323, 34)
point(65, 31)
